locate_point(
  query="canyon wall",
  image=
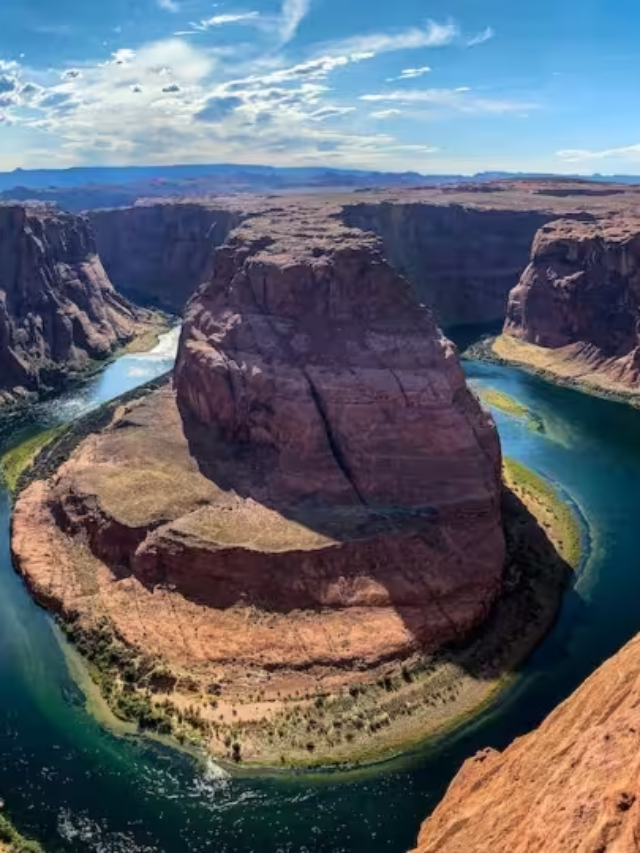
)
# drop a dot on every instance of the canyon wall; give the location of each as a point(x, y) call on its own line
point(58, 308)
point(572, 785)
point(462, 261)
point(578, 303)
point(157, 254)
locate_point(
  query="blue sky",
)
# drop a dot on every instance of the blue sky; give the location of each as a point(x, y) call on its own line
point(458, 86)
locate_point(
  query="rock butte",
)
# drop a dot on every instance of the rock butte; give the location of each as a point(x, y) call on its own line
point(572, 785)
point(320, 495)
point(58, 309)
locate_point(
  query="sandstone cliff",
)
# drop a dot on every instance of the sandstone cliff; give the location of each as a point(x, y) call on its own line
point(578, 304)
point(158, 253)
point(58, 309)
point(570, 786)
point(462, 260)
point(321, 506)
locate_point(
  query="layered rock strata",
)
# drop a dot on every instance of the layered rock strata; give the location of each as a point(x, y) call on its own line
point(462, 260)
point(572, 785)
point(58, 309)
point(576, 309)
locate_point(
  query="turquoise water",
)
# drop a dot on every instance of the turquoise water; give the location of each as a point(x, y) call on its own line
point(77, 787)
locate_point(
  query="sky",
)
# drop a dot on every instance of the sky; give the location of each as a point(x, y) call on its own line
point(435, 86)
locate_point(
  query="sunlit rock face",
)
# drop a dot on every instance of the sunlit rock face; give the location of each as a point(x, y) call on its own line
point(581, 291)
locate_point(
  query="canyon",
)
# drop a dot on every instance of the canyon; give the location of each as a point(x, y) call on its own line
point(306, 519)
point(58, 309)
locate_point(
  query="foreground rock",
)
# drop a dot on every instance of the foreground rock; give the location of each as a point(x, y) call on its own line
point(572, 785)
point(321, 507)
point(58, 309)
point(575, 311)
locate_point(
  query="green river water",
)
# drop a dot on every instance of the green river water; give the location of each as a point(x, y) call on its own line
point(76, 787)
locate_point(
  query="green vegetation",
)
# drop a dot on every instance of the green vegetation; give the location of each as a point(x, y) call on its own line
point(130, 682)
point(13, 842)
point(558, 517)
point(504, 403)
point(20, 458)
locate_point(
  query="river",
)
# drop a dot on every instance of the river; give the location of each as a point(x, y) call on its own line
point(75, 786)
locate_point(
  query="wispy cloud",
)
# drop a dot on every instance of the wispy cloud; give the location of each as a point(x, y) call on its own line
point(169, 5)
point(410, 73)
point(219, 21)
point(580, 155)
point(382, 114)
point(292, 15)
point(432, 34)
point(457, 100)
point(313, 69)
point(486, 34)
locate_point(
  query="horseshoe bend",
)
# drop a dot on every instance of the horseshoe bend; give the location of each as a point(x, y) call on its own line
point(300, 549)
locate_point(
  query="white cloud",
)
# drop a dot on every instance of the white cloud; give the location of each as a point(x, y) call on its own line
point(292, 15)
point(169, 5)
point(578, 155)
point(314, 69)
point(431, 34)
point(219, 21)
point(410, 73)
point(486, 34)
point(325, 113)
point(382, 114)
point(457, 100)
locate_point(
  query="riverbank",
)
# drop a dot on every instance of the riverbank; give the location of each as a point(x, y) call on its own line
point(11, 841)
point(14, 409)
point(566, 366)
point(303, 720)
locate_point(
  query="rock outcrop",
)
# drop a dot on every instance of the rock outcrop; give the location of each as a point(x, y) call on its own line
point(462, 260)
point(578, 303)
point(157, 254)
point(319, 499)
point(58, 309)
point(571, 786)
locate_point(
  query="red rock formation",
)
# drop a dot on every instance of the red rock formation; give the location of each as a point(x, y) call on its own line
point(308, 353)
point(58, 309)
point(159, 253)
point(572, 786)
point(462, 260)
point(581, 291)
point(324, 500)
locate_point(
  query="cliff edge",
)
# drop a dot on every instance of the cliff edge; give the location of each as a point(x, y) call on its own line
point(572, 785)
